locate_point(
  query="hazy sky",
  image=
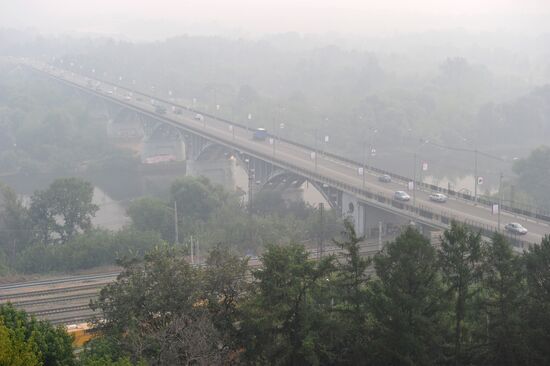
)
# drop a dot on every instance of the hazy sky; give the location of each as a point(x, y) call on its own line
point(160, 18)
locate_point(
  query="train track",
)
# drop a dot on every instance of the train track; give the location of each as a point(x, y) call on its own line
point(80, 312)
point(71, 319)
point(82, 278)
point(87, 295)
point(64, 309)
point(52, 291)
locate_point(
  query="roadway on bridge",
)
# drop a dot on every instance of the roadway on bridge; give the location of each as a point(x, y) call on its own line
point(281, 152)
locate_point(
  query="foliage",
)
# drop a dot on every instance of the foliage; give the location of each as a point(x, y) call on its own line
point(159, 311)
point(503, 305)
point(281, 322)
point(15, 350)
point(197, 198)
point(459, 259)
point(51, 345)
point(15, 225)
point(349, 296)
point(152, 214)
point(224, 288)
point(468, 302)
point(537, 271)
point(62, 210)
point(534, 177)
point(87, 250)
point(407, 300)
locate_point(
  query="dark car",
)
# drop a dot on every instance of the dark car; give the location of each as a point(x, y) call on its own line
point(384, 178)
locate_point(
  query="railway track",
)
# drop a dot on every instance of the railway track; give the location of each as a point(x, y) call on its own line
point(87, 295)
point(82, 278)
point(5, 297)
point(77, 297)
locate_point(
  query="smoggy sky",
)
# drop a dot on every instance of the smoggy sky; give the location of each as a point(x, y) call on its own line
point(161, 18)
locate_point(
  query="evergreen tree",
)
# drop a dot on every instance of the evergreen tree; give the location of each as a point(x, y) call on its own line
point(407, 301)
point(537, 271)
point(503, 302)
point(459, 258)
point(282, 322)
point(350, 297)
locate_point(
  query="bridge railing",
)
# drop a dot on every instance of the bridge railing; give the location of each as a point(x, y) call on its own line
point(419, 212)
point(536, 214)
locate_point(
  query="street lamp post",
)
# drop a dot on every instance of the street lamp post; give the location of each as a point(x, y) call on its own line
point(423, 142)
point(475, 176)
point(499, 198)
point(414, 180)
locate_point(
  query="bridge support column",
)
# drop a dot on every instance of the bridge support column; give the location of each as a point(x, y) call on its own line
point(220, 171)
point(353, 210)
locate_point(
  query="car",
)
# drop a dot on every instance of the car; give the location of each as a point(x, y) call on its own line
point(401, 196)
point(384, 178)
point(515, 228)
point(128, 97)
point(259, 134)
point(199, 117)
point(178, 111)
point(438, 197)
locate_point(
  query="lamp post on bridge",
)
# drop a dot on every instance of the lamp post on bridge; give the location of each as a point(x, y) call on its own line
point(422, 143)
point(371, 152)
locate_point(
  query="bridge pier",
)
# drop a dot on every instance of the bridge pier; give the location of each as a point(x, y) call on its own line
point(220, 171)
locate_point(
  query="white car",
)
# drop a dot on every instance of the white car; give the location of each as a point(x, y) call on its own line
point(438, 197)
point(515, 228)
point(199, 117)
point(401, 196)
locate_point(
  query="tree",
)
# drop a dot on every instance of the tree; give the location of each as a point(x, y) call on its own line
point(152, 214)
point(62, 210)
point(533, 175)
point(155, 307)
point(15, 350)
point(281, 321)
point(225, 286)
point(459, 258)
point(407, 301)
point(15, 226)
point(197, 198)
point(268, 201)
point(537, 272)
point(350, 284)
point(51, 345)
point(503, 304)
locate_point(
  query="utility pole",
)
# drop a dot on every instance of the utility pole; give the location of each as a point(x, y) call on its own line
point(321, 229)
point(414, 180)
point(475, 176)
point(499, 198)
point(191, 244)
point(316, 152)
point(379, 235)
point(176, 233)
point(250, 184)
point(364, 161)
point(198, 253)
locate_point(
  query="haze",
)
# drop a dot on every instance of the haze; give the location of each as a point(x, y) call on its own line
point(147, 20)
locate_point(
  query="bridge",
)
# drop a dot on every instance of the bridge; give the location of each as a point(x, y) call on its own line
point(345, 184)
